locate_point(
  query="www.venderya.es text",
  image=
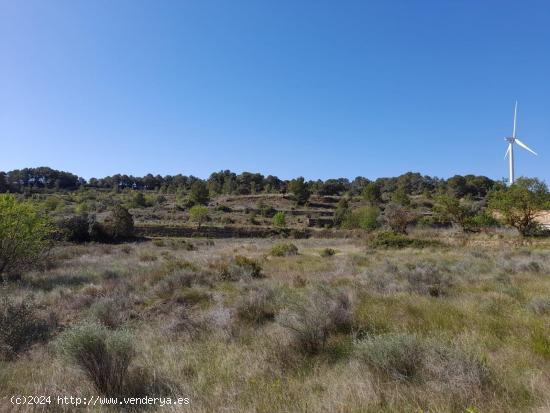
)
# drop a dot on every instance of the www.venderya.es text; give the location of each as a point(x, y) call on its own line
point(99, 401)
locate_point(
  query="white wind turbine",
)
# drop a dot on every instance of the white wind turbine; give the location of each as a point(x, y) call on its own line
point(510, 151)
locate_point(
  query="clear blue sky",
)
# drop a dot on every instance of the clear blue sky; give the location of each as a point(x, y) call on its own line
point(313, 88)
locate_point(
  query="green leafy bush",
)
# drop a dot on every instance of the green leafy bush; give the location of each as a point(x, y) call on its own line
point(198, 214)
point(241, 267)
point(279, 219)
point(392, 240)
point(284, 249)
point(75, 228)
point(24, 235)
point(119, 225)
point(363, 218)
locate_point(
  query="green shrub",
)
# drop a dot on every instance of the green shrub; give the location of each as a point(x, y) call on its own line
point(327, 252)
point(241, 267)
point(24, 234)
point(363, 218)
point(119, 225)
point(103, 355)
point(20, 327)
point(199, 194)
point(75, 228)
point(393, 240)
point(483, 220)
point(284, 249)
point(279, 219)
point(198, 214)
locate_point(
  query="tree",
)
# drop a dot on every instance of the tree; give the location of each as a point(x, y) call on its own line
point(198, 214)
point(519, 204)
point(299, 189)
point(3, 182)
point(397, 218)
point(449, 208)
point(199, 193)
point(279, 219)
point(24, 235)
point(120, 224)
point(372, 193)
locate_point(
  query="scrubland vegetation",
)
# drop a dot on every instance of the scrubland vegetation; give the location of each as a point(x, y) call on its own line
point(403, 299)
point(237, 327)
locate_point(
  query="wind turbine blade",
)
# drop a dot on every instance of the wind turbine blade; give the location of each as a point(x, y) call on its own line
point(515, 119)
point(507, 152)
point(524, 146)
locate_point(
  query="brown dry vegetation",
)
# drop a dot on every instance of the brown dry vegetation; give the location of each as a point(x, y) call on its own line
point(461, 326)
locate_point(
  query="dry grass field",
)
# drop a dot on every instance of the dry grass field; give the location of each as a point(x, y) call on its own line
point(260, 325)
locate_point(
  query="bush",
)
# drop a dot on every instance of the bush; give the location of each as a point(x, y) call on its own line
point(397, 218)
point(24, 235)
point(241, 267)
point(75, 228)
point(103, 355)
point(408, 357)
point(313, 320)
point(284, 249)
point(327, 252)
point(300, 190)
point(119, 224)
point(20, 327)
point(279, 219)
point(257, 306)
point(199, 194)
point(393, 240)
point(363, 218)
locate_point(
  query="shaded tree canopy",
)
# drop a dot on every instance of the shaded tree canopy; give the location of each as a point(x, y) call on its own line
point(227, 182)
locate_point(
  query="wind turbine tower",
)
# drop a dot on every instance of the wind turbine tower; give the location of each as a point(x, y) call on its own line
point(510, 151)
